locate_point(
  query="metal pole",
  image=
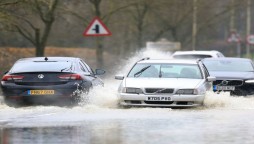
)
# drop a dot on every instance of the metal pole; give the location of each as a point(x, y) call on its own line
point(238, 49)
point(232, 26)
point(194, 25)
point(248, 22)
point(232, 16)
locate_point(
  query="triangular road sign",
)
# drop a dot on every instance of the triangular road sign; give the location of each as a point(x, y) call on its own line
point(96, 28)
point(234, 37)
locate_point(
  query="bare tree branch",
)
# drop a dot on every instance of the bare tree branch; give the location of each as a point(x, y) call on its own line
point(25, 34)
point(39, 10)
point(107, 16)
point(11, 3)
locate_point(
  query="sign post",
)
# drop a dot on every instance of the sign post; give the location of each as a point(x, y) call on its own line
point(97, 28)
point(250, 41)
point(235, 38)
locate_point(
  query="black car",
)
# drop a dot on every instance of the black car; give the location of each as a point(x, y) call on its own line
point(232, 74)
point(50, 79)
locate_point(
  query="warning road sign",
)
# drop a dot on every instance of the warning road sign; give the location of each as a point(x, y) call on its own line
point(96, 28)
point(250, 39)
point(234, 37)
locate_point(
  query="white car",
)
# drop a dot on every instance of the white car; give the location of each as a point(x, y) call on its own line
point(165, 83)
point(197, 54)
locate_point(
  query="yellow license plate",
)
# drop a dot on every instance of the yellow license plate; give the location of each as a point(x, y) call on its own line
point(41, 92)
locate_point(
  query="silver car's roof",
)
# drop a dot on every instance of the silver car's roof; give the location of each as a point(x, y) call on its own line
point(195, 52)
point(177, 61)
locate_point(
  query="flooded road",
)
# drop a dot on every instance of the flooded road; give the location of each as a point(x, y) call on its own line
point(222, 120)
point(92, 124)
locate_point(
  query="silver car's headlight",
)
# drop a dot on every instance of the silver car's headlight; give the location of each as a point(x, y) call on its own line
point(249, 81)
point(186, 91)
point(132, 90)
point(198, 91)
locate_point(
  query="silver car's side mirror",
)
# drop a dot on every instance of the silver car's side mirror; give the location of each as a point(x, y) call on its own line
point(211, 78)
point(119, 77)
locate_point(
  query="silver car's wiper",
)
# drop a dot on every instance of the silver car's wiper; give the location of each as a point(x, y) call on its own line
point(160, 73)
point(160, 90)
point(137, 74)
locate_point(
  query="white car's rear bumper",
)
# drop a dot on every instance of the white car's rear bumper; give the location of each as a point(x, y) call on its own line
point(175, 100)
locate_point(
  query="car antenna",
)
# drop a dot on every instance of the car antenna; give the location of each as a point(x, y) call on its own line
point(146, 58)
point(46, 59)
point(198, 60)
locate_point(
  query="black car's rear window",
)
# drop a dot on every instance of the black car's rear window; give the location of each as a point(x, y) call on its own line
point(52, 66)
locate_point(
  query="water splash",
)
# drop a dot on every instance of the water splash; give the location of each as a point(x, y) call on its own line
point(151, 53)
point(107, 96)
point(101, 96)
point(224, 100)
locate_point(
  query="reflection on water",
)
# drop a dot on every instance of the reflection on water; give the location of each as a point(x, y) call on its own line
point(60, 135)
point(176, 126)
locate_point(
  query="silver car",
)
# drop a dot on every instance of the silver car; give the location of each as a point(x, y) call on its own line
point(197, 54)
point(165, 83)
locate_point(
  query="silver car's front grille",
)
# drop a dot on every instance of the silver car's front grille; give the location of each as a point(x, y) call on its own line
point(159, 90)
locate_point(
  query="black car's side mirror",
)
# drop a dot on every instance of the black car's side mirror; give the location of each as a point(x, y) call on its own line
point(99, 72)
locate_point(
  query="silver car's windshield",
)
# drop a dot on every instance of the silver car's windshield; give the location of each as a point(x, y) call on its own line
point(228, 65)
point(155, 70)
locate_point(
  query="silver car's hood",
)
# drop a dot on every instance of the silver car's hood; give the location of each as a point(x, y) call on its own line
point(162, 82)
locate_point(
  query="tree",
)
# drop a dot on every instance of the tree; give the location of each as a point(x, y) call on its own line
point(4, 13)
point(35, 30)
point(139, 14)
point(173, 19)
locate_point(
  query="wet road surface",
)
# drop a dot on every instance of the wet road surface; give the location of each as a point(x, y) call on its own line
point(223, 119)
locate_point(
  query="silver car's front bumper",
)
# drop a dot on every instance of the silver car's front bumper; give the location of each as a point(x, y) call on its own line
point(126, 99)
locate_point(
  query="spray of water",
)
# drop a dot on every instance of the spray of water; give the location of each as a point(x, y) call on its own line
point(224, 100)
point(107, 96)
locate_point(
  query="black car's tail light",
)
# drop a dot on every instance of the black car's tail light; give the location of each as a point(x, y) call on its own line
point(70, 77)
point(12, 77)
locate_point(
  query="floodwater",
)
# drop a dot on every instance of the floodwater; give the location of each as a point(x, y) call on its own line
point(97, 120)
